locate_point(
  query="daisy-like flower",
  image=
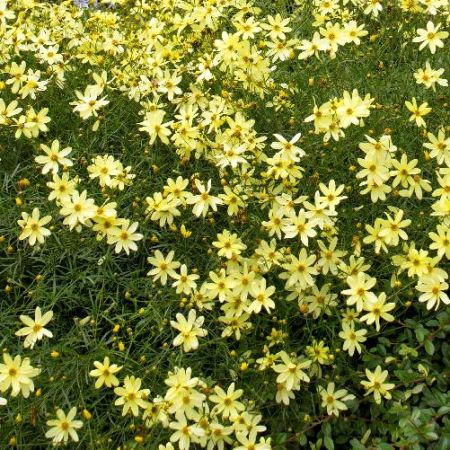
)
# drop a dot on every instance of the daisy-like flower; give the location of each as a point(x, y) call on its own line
point(18, 375)
point(291, 371)
point(88, 104)
point(61, 187)
point(288, 148)
point(227, 403)
point(125, 237)
point(228, 244)
point(359, 292)
point(430, 77)
point(417, 112)
point(64, 426)
point(189, 329)
point(105, 373)
point(35, 329)
point(434, 290)
point(431, 37)
point(33, 227)
point(8, 111)
point(184, 282)
point(54, 157)
point(164, 266)
point(377, 385)
point(334, 400)
point(204, 200)
point(377, 310)
point(154, 126)
point(352, 338)
point(78, 210)
point(441, 241)
point(131, 396)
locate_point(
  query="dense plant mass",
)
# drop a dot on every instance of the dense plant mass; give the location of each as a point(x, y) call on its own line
point(224, 224)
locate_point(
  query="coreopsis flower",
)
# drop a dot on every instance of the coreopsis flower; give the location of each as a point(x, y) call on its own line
point(131, 396)
point(204, 200)
point(169, 85)
point(154, 126)
point(300, 271)
point(233, 199)
point(430, 77)
point(376, 384)
point(190, 330)
point(291, 372)
point(105, 168)
point(62, 188)
point(418, 112)
point(359, 290)
point(377, 310)
point(88, 104)
point(312, 47)
point(64, 427)
point(185, 282)
point(262, 297)
point(299, 225)
point(288, 147)
point(18, 375)
point(164, 266)
point(227, 403)
point(331, 195)
point(277, 27)
point(105, 373)
point(124, 238)
point(8, 111)
point(439, 146)
point(33, 227)
point(35, 328)
point(250, 443)
point(78, 210)
point(229, 244)
point(352, 338)
point(431, 37)
point(434, 290)
point(441, 241)
point(392, 228)
point(334, 401)
point(184, 434)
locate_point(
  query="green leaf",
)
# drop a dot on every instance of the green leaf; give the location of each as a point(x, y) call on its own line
point(429, 347)
point(356, 445)
point(421, 332)
point(328, 442)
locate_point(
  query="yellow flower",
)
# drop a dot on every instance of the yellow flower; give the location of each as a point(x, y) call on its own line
point(352, 338)
point(377, 385)
point(17, 375)
point(418, 112)
point(125, 237)
point(229, 244)
point(227, 403)
point(189, 329)
point(377, 310)
point(64, 426)
point(131, 396)
point(164, 266)
point(334, 400)
point(33, 227)
point(105, 373)
point(34, 330)
point(291, 371)
point(431, 37)
point(434, 290)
